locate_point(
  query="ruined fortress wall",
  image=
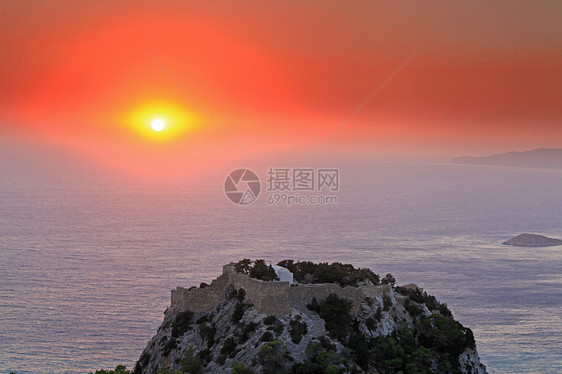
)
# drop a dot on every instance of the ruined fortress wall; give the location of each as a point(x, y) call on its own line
point(269, 297)
point(273, 298)
point(304, 293)
point(196, 299)
point(199, 299)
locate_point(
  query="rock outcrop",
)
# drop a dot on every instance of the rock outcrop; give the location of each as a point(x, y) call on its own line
point(245, 325)
point(532, 240)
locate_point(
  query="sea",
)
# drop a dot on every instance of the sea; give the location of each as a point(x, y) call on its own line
point(88, 255)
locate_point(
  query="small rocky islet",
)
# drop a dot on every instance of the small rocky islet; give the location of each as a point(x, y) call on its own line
point(532, 240)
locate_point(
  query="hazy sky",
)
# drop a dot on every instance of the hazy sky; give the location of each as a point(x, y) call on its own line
point(281, 76)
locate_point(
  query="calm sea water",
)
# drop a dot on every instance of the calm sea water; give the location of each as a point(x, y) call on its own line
point(87, 261)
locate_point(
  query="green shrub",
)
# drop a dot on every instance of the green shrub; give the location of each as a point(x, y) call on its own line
point(274, 325)
point(207, 332)
point(387, 303)
point(445, 335)
point(342, 274)
point(263, 272)
point(359, 350)
point(267, 336)
point(272, 355)
point(119, 369)
point(243, 266)
point(241, 294)
point(239, 368)
point(412, 308)
point(297, 329)
point(169, 346)
point(205, 355)
point(270, 320)
point(228, 346)
point(320, 358)
point(144, 358)
point(247, 330)
point(424, 298)
point(389, 279)
point(190, 363)
point(371, 323)
point(336, 313)
point(182, 323)
point(238, 313)
point(167, 370)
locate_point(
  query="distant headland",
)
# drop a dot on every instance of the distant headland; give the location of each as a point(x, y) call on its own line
point(532, 240)
point(542, 158)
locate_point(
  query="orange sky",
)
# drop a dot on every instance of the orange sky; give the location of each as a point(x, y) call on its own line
point(282, 76)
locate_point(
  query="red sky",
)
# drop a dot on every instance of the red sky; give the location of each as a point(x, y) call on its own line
point(282, 76)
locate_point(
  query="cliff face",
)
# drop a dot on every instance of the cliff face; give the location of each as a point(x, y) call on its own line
point(243, 325)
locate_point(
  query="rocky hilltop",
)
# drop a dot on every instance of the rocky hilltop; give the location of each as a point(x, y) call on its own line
point(532, 240)
point(333, 318)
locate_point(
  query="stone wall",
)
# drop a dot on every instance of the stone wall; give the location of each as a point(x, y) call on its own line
point(304, 293)
point(269, 297)
point(199, 299)
point(272, 298)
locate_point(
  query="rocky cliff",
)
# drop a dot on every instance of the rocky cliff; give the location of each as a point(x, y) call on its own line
point(240, 324)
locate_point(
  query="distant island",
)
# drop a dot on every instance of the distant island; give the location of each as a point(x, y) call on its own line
point(541, 158)
point(532, 240)
point(302, 317)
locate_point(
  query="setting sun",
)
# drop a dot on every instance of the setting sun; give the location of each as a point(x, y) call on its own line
point(160, 121)
point(158, 124)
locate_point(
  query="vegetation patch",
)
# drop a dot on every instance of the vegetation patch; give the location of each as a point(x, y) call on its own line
point(336, 313)
point(320, 358)
point(256, 269)
point(424, 298)
point(182, 323)
point(273, 356)
point(247, 330)
point(336, 272)
point(207, 332)
point(297, 328)
point(386, 303)
point(239, 368)
point(228, 347)
point(267, 337)
point(238, 313)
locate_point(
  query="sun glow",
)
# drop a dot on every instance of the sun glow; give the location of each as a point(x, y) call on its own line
point(158, 124)
point(159, 121)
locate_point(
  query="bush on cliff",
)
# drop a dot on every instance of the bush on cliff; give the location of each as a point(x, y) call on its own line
point(119, 369)
point(424, 298)
point(336, 272)
point(256, 269)
point(182, 323)
point(336, 313)
point(272, 356)
point(297, 328)
point(239, 368)
point(320, 358)
point(190, 363)
point(263, 271)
